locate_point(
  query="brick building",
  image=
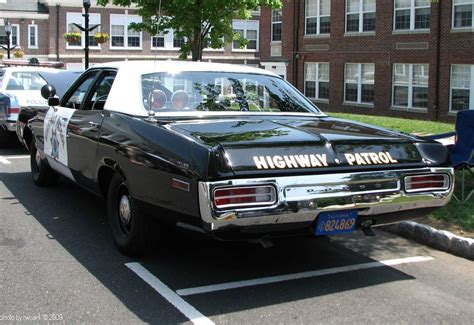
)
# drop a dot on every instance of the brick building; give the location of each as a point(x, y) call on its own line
point(406, 58)
point(39, 26)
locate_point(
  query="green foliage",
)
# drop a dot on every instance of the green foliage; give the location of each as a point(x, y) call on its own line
point(400, 124)
point(458, 213)
point(200, 22)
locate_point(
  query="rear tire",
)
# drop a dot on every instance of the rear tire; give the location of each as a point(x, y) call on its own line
point(41, 172)
point(127, 224)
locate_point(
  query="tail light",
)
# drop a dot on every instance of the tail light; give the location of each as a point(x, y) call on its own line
point(244, 196)
point(12, 110)
point(427, 182)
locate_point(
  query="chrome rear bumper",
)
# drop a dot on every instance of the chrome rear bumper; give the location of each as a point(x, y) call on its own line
point(9, 125)
point(302, 198)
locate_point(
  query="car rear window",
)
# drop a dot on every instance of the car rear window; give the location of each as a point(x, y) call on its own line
point(219, 91)
point(25, 81)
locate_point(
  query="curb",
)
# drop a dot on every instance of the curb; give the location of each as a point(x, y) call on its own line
point(440, 239)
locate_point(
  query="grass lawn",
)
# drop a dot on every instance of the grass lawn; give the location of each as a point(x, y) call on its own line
point(454, 215)
point(461, 214)
point(400, 124)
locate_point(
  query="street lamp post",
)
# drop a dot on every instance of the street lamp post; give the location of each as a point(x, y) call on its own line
point(86, 29)
point(8, 32)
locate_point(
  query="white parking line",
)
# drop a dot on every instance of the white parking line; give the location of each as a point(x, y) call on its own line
point(189, 311)
point(4, 161)
point(302, 275)
point(19, 157)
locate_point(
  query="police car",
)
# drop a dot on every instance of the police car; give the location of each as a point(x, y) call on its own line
point(20, 86)
point(230, 151)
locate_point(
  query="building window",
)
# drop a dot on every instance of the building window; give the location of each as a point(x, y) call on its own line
point(76, 18)
point(410, 85)
point(249, 30)
point(316, 80)
point(33, 36)
point(359, 83)
point(412, 14)
point(120, 34)
point(14, 36)
point(318, 17)
point(178, 41)
point(463, 13)
point(158, 41)
point(276, 25)
point(360, 16)
point(462, 87)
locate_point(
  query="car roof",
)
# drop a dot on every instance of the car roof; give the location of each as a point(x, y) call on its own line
point(31, 69)
point(151, 66)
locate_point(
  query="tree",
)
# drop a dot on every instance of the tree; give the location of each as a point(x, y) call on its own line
point(201, 22)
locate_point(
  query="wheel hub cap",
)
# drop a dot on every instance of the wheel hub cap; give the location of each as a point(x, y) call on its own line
point(125, 209)
point(37, 158)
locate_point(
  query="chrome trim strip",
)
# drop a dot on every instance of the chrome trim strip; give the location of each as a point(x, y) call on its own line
point(272, 195)
point(427, 189)
point(341, 193)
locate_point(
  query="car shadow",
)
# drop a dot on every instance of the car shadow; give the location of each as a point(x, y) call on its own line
point(186, 261)
point(14, 151)
point(13, 145)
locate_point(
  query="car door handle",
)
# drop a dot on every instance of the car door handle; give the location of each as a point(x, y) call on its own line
point(94, 124)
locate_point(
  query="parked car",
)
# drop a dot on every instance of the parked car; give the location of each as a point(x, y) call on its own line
point(20, 86)
point(230, 151)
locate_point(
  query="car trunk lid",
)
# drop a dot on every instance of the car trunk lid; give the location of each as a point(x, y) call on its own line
point(289, 146)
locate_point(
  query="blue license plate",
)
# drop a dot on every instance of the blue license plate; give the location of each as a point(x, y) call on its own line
point(336, 222)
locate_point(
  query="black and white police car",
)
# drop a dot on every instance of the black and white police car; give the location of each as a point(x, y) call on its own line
point(230, 151)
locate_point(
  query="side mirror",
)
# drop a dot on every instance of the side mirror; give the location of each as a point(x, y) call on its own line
point(53, 101)
point(48, 91)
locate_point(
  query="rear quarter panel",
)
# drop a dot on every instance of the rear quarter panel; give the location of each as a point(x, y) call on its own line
point(152, 158)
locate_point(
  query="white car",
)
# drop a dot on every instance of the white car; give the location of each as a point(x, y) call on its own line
point(19, 87)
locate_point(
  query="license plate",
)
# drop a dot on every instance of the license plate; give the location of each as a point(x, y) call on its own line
point(336, 222)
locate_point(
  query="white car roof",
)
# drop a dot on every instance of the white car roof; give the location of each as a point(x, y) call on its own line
point(151, 66)
point(126, 93)
point(30, 69)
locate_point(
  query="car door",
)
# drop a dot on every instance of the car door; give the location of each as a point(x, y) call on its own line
point(84, 129)
point(71, 130)
point(56, 131)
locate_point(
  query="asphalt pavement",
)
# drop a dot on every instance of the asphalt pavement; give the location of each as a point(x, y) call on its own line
point(58, 263)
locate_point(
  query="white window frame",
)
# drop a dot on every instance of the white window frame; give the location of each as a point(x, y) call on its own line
point(246, 25)
point(466, 2)
point(172, 40)
point(35, 27)
point(361, 13)
point(161, 34)
point(17, 27)
point(277, 22)
point(359, 83)
point(410, 85)
point(471, 87)
point(317, 80)
point(318, 17)
point(127, 20)
point(412, 16)
point(76, 17)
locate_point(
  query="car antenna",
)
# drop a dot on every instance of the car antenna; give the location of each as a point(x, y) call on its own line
point(151, 111)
